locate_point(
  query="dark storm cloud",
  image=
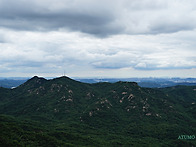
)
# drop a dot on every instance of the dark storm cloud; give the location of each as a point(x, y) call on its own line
point(100, 18)
point(22, 15)
point(83, 22)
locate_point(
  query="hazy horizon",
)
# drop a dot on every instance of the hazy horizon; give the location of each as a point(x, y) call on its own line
point(2, 78)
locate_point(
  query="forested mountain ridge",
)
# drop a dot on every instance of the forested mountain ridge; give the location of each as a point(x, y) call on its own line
point(120, 113)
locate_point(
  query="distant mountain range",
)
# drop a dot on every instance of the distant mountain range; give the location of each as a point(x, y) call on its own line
point(66, 112)
point(143, 82)
point(147, 82)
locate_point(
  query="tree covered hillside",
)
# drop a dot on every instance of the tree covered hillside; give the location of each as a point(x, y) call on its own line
point(65, 112)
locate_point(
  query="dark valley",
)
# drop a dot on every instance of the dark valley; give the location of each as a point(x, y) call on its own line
point(65, 112)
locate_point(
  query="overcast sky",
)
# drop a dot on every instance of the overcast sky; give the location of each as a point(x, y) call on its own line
point(98, 38)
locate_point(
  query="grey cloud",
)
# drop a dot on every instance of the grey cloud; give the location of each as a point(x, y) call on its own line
point(52, 52)
point(139, 65)
point(77, 22)
point(166, 24)
point(169, 28)
point(42, 19)
point(29, 64)
point(110, 65)
point(3, 38)
point(146, 60)
point(116, 61)
point(99, 18)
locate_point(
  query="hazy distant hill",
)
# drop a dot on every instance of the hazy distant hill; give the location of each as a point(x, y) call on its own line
point(147, 82)
point(65, 112)
point(10, 83)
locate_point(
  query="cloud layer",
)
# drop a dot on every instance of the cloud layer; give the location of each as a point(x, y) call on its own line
point(90, 38)
point(100, 18)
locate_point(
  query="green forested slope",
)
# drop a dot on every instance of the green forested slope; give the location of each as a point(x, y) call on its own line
point(64, 112)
